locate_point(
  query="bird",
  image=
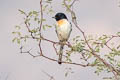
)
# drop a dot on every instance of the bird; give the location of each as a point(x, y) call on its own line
point(63, 29)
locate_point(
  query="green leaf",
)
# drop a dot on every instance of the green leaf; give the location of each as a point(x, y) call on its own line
point(35, 12)
point(118, 64)
point(44, 28)
point(22, 12)
point(69, 0)
point(43, 19)
point(35, 19)
point(13, 32)
point(97, 49)
point(17, 27)
point(30, 14)
point(14, 39)
point(19, 33)
point(18, 41)
point(34, 31)
point(89, 56)
point(49, 26)
point(103, 41)
point(77, 36)
point(39, 21)
point(44, 7)
point(118, 33)
point(118, 46)
point(49, 1)
point(96, 62)
point(27, 20)
point(66, 74)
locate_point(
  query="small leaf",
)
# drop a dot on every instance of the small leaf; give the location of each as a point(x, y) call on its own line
point(38, 21)
point(49, 26)
point(44, 27)
point(30, 14)
point(17, 27)
point(77, 36)
point(27, 20)
point(118, 64)
point(33, 31)
point(35, 19)
point(66, 74)
point(19, 33)
point(69, 0)
point(14, 39)
point(13, 32)
point(35, 12)
point(118, 33)
point(43, 19)
point(118, 46)
point(44, 7)
point(22, 12)
point(18, 41)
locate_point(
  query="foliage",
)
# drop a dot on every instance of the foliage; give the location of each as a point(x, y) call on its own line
point(101, 52)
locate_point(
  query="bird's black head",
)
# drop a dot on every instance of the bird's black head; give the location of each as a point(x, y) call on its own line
point(60, 16)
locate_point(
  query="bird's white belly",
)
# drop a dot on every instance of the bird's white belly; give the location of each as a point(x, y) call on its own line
point(63, 31)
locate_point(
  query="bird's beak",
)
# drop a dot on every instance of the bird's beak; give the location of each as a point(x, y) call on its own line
point(53, 17)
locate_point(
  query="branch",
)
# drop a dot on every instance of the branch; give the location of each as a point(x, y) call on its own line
point(31, 33)
point(109, 41)
point(42, 55)
point(51, 77)
point(41, 25)
point(55, 49)
point(41, 13)
point(73, 2)
point(112, 69)
point(106, 43)
point(28, 52)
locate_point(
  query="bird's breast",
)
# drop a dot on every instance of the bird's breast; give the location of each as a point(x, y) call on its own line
point(61, 22)
point(63, 29)
point(63, 26)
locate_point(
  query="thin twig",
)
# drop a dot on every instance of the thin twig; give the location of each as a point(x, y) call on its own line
point(21, 51)
point(51, 77)
point(55, 49)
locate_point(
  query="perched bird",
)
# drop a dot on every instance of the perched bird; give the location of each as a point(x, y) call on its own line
point(63, 30)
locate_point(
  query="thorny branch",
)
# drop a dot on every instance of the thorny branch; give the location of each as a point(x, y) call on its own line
point(112, 69)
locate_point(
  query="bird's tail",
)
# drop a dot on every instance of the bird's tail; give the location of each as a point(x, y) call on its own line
point(60, 54)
